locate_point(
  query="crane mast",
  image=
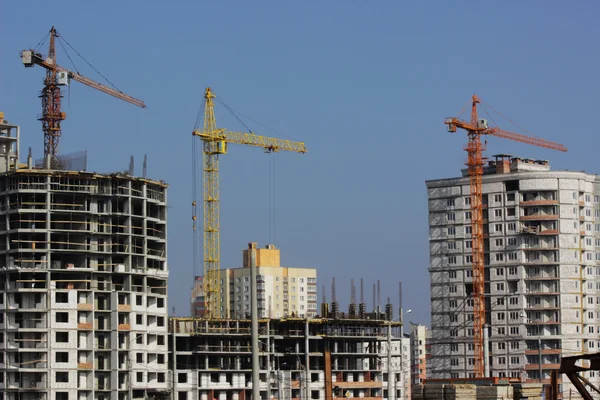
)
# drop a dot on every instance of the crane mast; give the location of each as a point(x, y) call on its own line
point(51, 108)
point(215, 142)
point(57, 76)
point(475, 128)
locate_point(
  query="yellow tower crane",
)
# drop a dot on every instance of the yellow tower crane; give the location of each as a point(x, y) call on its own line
point(215, 142)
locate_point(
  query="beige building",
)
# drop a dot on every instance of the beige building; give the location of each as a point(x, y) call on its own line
point(282, 291)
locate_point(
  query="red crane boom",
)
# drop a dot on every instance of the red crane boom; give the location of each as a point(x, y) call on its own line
point(475, 129)
point(57, 76)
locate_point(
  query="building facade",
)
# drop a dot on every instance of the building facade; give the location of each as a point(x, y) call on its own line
point(282, 291)
point(83, 285)
point(542, 269)
point(420, 345)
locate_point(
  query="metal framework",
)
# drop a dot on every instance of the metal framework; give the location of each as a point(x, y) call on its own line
point(52, 115)
point(570, 366)
point(215, 142)
point(475, 129)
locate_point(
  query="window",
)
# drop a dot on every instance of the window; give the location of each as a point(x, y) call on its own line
point(453, 347)
point(182, 377)
point(499, 242)
point(452, 289)
point(161, 377)
point(450, 202)
point(62, 317)
point(452, 260)
point(160, 302)
point(514, 345)
point(500, 302)
point(451, 217)
point(511, 226)
point(453, 332)
point(499, 271)
point(452, 231)
point(453, 318)
point(62, 357)
point(62, 376)
point(497, 227)
point(514, 360)
point(139, 377)
point(499, 286)
point(139, 319)
point(467, 201)
point(500, 316)
point(511, 241)
point(469, 273)
point(453, 303)
point(501, 360)
point(501, 345)
point(498, 198)
point(451, 245)
point(498, 212)
point(138, 300)
point(62, 337)
point(514, 315)
point(512, 257)
point(160, 340)
point(501, 331)
point(468, 215)
point(470, 317)
point(139, 358)
point(468, 230)
point(511, 212)
point(61, 297)
point(514, 330)
point(454, 361)
point(468, 244)
point(452, 274)
point(470, 332)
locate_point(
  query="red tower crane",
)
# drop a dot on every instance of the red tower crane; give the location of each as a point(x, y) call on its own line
point(57, 76)
point(475, 129)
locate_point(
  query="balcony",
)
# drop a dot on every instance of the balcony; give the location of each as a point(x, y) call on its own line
point(539, 217)
point(539, 202)
point(85, 365)
point(87, 326)
point(85, 307)
point(124, 307)
point(124, 327)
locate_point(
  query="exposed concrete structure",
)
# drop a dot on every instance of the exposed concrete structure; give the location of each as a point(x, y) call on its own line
point(83, 286)
point(212, 358)
point(542, 269)
point(282, 291)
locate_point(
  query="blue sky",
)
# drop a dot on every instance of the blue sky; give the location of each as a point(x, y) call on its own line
point(366, 85)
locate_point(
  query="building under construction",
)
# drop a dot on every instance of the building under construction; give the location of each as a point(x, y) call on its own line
point(298, 358)
point(83, 282)
point(542, 271)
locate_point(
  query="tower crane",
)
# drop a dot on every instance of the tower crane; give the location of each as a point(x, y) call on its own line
point(215, 141)
point(57, 76)
point(475, 129)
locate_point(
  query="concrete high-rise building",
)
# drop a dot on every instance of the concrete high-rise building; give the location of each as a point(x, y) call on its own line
point(282, 291)
point(83, 283)
point(420, 345)
point(542, 269)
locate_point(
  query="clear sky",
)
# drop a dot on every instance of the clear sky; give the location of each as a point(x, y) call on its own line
point(366, 84)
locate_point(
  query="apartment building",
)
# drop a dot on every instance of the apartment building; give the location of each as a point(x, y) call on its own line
point(299, 358)
point(542, 269)
point(282, 291)
point(83, 283)
point(420, 345)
